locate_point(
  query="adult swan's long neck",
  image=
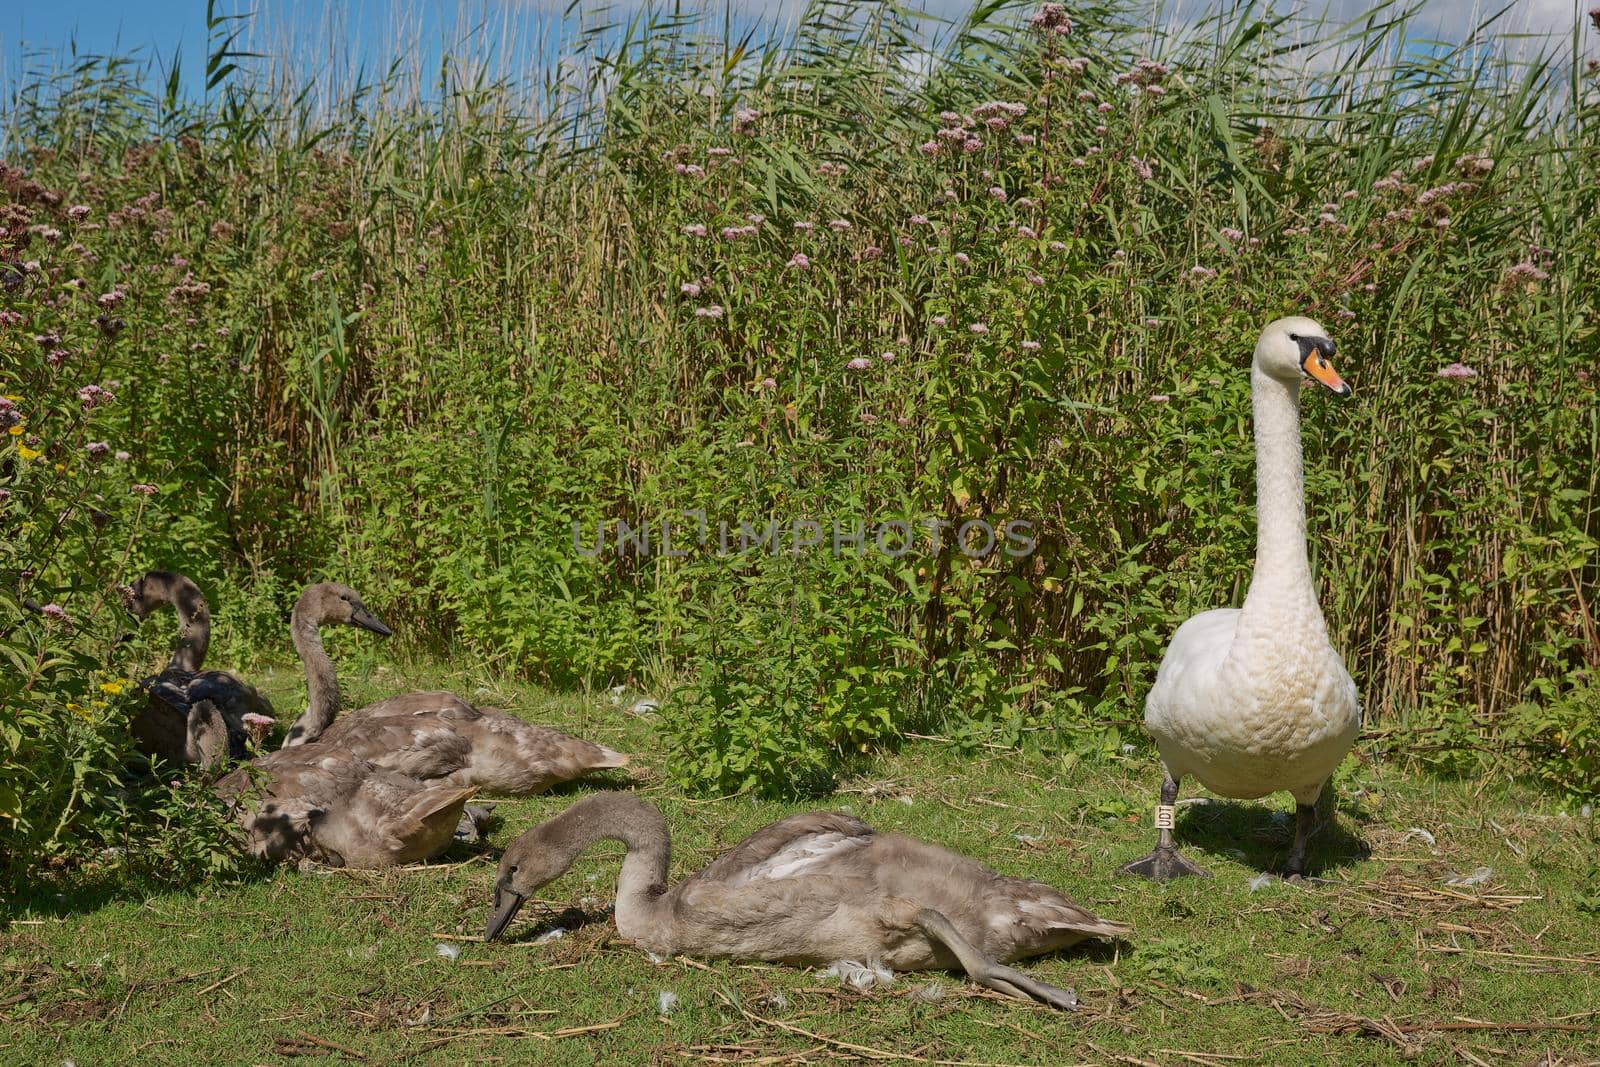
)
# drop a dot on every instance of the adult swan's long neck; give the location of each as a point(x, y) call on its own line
point(322, 685)
point(1281, 606)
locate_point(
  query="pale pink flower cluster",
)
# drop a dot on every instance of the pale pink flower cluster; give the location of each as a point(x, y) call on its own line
point(1146, 74)
point(92, 396)
point(710, 311)
point(736, 233)
point(830, 169)
point(839, 225)
point(979, 328)
point(745, 119)
point(78, 212)
point(859, 363)
point(1524, 275)
point(800, 261)
point(695, 229)
point(1457, 370)
point(144, 490)
point(1051, 19)
point(1201, 273)
point(1030, 346)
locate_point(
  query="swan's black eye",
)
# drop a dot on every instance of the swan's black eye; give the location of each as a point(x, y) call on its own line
point(1294, 337)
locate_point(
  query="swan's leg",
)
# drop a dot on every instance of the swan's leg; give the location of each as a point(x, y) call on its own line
point(1308, 819)
point(987, 972)
point(1164, 863)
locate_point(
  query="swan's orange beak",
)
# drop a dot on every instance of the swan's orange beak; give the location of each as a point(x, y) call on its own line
point(1319, 368)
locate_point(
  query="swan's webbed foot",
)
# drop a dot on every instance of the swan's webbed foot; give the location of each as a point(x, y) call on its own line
point(474, 824)
point(1163, 865)
point(986, 972)
point(1013, 983)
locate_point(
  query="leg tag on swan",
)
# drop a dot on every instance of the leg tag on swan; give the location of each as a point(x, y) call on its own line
point(1164, 816)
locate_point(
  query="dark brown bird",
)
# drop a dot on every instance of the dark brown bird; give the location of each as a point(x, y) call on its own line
point(170, 725)
point(810, 890)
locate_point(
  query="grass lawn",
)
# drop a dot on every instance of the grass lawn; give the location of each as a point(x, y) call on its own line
point(1382, 962)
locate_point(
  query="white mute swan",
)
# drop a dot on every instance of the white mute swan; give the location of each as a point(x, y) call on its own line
point(1254, 700)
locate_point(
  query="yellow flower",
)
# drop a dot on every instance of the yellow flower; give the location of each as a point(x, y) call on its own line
point(80, 711)
point(28, 453)
point(16, 431)
point(113, 688)
point(14, 398)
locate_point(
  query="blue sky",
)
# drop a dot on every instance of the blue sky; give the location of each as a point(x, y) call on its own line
point(166, 28)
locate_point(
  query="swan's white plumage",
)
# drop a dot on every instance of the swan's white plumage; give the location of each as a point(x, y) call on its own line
point(1255, 700)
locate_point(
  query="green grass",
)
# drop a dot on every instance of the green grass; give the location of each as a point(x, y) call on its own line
point(1356, 969)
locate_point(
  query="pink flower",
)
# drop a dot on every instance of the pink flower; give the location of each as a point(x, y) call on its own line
point(1104, 108)
point(92, 396)
point(971, 144)
point(939, 320)
point(1141, 168)
point(887, 357)
point(838, 225)
point(251, 718)
point(831, 170)
point(689, 288)
point(962, 258)
point(1035, 279)
point(929, 148)
point(1057, 246)
point(55, 611)
point(1231, 235)
point(1200, 273)
point(805, 227)
point(998, 193)
point(77, 212)
point(1030, 346)
point(745, 119)
point(871, 252)
point(1152, 323)
point(710, 311)
point(979, 328)
point(1159, 398)
point(97, 448)
point(144, 490)
point(695, 229)
point(859, 363)
point(799, 261)
point(919, 220)
point(1052, 19)
point(1079, 162)
point(1457, 370)
point(768, 383)
point(1026, 232)
point(122, 457)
